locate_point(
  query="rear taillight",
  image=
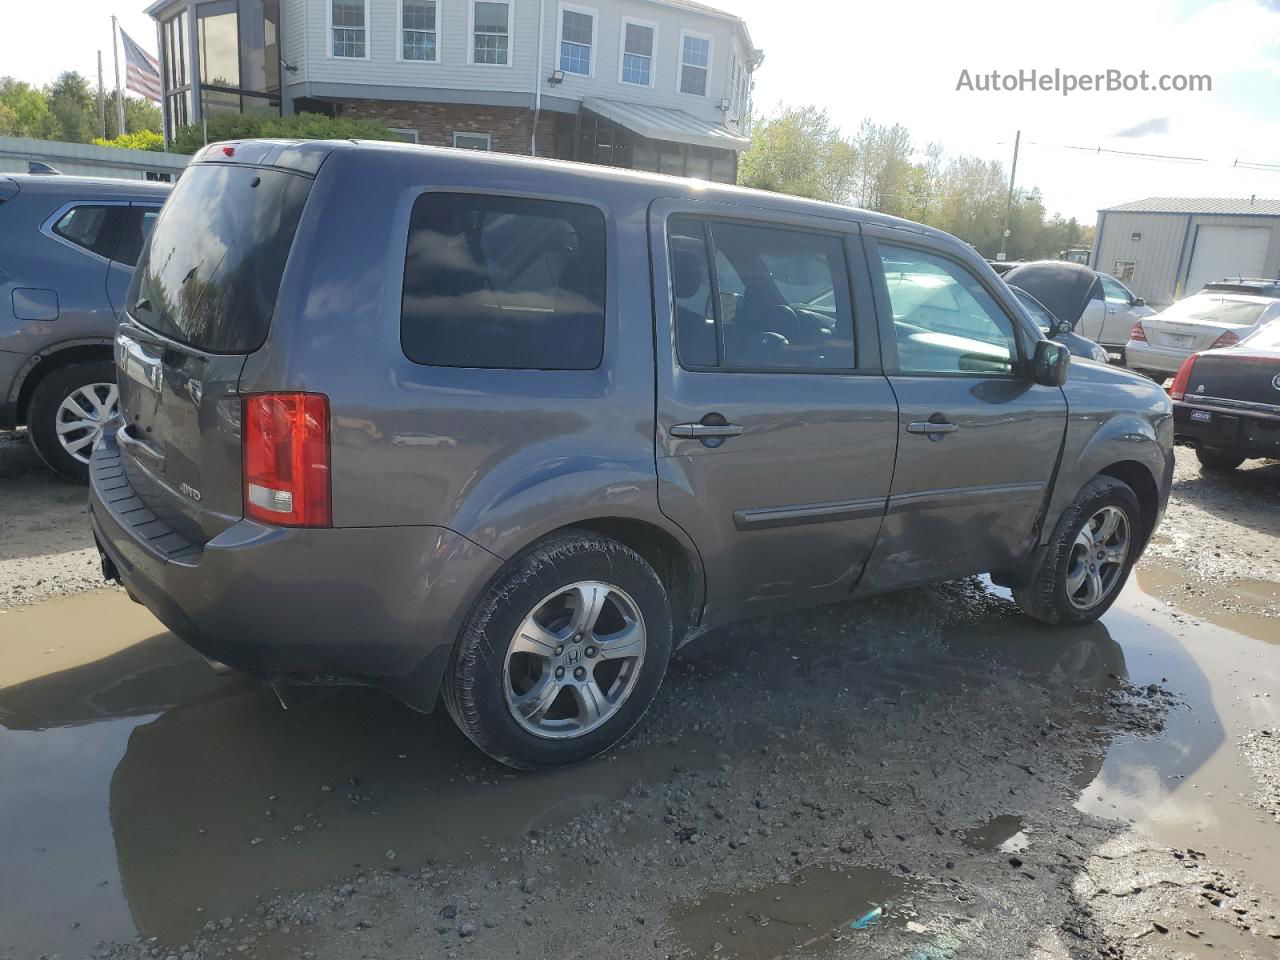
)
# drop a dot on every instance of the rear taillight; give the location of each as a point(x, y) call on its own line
point(1228, 339)
point(1178, 389)
point(286, 459)
point(1137, 333)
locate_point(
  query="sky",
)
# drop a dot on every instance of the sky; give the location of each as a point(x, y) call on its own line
point(901, 63)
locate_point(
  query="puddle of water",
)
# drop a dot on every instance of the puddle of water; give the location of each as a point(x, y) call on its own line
point(1004, 833)
point(1248, 607)
point(805, 915)
point(134, 783)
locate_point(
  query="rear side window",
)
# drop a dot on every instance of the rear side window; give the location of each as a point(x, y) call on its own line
point(777, 299)
point(210, 275)
point(504, 282)
point(93, 227)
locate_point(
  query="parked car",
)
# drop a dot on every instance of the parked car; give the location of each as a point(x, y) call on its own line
point(1107, 309)
point(1059, 330)
point(409, 417)
point(68, 246)
point(1208, 320)
point(1226, 402)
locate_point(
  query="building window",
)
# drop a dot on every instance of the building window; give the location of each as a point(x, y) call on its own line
point(491, 32)
point(695, 63)
point(348, 28)
point(638, 42)
point(1124, 271)
point(407, 134)
point(577, 37)
point(472, 141)
point(418, 31)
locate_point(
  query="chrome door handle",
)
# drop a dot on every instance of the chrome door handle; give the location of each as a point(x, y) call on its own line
point(705, 431)
point(929, 428)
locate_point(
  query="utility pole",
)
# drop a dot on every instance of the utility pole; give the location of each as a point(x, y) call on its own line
point(1008, 207)
point(115, 54)
point(102, 102)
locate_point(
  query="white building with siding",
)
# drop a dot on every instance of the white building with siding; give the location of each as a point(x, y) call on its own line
point(651, 84)
point(1165, 248)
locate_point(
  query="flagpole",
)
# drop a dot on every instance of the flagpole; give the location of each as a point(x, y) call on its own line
point(102, 100)
point(115, 54)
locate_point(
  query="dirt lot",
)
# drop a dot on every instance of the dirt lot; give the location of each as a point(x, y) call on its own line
point(994, 788)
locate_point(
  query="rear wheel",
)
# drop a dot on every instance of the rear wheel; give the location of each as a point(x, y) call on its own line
point(563, 655)
point(1082, 570)
point(68, 410)
point(1217, 461)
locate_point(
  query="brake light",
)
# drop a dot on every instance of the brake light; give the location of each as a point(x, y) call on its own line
point(1137, 333)
point(1178, 389)
point(286, 459)
point(1228, 339)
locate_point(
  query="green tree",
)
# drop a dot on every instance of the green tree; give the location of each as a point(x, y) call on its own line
point(301, 126)
point(72, 108)
point(29, 107)
point(139, 115)
point(797, 150)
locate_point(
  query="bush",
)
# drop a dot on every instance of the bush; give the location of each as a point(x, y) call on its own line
point(142, 140)
point(301, 126)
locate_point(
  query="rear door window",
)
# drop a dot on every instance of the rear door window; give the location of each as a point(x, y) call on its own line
point(210, 275)
point(504, 282)
point(138, 221)
point(94, 227)
point(780, 302)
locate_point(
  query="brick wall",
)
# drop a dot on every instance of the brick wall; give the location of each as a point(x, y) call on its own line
point(436, 123)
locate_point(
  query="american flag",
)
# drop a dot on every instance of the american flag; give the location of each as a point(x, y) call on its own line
point(142, 70)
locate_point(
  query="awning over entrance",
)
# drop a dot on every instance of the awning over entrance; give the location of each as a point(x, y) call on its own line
point(666, 123)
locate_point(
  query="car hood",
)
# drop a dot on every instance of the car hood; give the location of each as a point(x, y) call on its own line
point(1064, 288)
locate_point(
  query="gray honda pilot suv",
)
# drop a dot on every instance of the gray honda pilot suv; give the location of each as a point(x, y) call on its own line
point(506, 432)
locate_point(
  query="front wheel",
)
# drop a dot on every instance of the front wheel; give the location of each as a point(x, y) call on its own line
point(1086, 563)
point(563, 655)
point(1217, 461)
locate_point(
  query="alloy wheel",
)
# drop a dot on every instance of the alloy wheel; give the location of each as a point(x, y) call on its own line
point(81, 417)
point(574, 660)
point(1098, 557)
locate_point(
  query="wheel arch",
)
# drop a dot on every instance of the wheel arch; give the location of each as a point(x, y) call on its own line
point(1139, 479)
point(41, 364)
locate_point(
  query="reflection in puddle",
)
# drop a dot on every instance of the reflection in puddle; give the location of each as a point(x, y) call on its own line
point(1004, 833)
point(806, 913)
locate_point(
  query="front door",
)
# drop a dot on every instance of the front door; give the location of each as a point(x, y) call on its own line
point(978, 441)
point(776, 428)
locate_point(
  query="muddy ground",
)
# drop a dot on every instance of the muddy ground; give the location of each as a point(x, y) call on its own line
point(992, 788)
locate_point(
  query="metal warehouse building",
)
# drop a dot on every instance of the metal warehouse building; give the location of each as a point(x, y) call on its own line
point(1164, 248)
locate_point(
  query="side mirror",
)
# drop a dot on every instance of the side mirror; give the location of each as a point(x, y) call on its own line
point(1050, 364)
point(1139, 302)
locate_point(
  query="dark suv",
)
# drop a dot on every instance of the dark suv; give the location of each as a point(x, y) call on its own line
point(509, 431)
point(68, 246)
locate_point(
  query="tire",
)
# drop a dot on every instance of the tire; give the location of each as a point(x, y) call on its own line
point(1217, 461)
point(1059, 592)
point(89, 386)
point(505, 664)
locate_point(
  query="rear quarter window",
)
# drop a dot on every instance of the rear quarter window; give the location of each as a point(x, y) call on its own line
point(504, 282)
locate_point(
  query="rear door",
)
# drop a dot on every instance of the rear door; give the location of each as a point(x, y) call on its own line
point(201, 301)
point(1121, 314)
point(977, 440)
point(776, 428)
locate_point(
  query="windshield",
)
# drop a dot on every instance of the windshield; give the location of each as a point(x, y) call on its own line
point(1038, 313)
point(1225, 310)
point(210, 275)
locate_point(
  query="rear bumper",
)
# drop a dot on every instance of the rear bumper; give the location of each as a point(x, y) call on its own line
point(374, 605)
point(1243, 432)
point(1143, 356)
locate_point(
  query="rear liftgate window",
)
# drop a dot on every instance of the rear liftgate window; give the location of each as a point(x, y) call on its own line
point(504, 282)
point(210, 275)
